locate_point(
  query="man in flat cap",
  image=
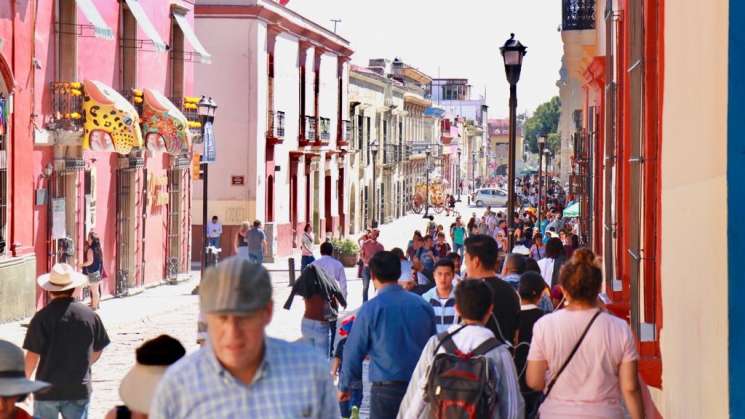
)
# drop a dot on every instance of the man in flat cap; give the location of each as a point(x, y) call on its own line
point(241, 372)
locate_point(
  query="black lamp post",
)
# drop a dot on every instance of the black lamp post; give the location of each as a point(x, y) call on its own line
point(473, 173)
point(457, 176)
point(206, 110)
point(541, 145)
point(373, 147)
point(426, 170)
point(512, 53)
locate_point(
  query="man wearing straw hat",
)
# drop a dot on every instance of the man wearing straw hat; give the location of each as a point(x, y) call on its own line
point(14, 387)
point(240, 372)
point(63, 339)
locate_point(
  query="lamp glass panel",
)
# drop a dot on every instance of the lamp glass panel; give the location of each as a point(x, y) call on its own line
point(512, 57)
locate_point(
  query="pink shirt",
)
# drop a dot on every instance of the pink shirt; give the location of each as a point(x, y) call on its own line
point(369, 249)
point(588, 387)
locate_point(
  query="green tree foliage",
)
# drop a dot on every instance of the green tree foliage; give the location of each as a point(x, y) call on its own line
point(544, 122)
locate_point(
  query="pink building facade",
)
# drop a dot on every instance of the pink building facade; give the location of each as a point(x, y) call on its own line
point(282, 158)
point(67, 170)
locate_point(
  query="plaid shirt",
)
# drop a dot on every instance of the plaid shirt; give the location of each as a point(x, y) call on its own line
point(292, 382)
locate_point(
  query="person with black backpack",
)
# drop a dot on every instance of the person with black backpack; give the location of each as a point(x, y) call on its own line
point(465, 372)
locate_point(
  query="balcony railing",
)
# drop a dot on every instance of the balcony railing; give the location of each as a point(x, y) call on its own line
point(325, 128)
point(188, 105)
point(276, 125)
point(578, 15)
point(392, 153)
point(67, 107)
point(310, 128)
point(346, 131)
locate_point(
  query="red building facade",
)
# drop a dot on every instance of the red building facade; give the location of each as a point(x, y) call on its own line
point(67, 170)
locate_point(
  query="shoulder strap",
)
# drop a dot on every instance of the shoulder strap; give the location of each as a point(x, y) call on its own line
point(446, 339)
point(571, 355)
point(486, 346)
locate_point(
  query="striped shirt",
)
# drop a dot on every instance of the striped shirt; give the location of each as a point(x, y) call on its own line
point(511, 404)
point(444, 308)
point(292, 381)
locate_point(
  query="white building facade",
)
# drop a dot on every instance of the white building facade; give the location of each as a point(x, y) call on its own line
point(281, 82)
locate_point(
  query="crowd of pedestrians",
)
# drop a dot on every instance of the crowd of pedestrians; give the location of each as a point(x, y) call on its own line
point(458, 325)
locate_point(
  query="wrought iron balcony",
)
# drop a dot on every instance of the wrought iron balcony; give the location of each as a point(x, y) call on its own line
point(346, 131)
point(310, 128)
point(578, 15)
point(325, 128)
point(275, 125)
point(67, 112)
point(391, 154)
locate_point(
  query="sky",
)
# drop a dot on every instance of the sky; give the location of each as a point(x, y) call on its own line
point(454, 39)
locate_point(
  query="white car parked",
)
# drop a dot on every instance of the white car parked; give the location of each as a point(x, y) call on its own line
point(489, 197)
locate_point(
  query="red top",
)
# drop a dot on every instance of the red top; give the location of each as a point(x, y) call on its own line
point(21, 414)
point(369, 249)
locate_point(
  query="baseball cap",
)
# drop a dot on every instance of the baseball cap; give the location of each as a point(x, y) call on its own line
point(235, 286)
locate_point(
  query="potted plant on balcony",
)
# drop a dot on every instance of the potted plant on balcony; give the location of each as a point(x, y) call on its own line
point(346, 251)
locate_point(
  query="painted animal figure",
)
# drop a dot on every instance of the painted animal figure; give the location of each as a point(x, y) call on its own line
point(163, 124)
point(111, 122)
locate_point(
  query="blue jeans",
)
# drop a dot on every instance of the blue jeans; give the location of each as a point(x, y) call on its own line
point(365, 282)
point(305, 261)
point(459, 249)
point(213, 241)
point(256, 257)
point(316, 334)
point(70, 409)
point(385, 399)
point(355, 399)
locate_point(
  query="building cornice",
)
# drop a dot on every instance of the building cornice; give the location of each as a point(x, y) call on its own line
point(281, 17)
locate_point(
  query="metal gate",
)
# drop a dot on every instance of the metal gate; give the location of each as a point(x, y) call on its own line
point(173, 255)
point(128, 225)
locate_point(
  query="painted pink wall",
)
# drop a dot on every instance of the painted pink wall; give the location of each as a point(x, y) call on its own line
point(29, 32)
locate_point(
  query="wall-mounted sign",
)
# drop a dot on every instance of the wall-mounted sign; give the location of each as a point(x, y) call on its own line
point(158, 190)
point(237, 180)
point(59, 230)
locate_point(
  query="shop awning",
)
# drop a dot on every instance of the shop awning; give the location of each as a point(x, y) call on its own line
point(146, 25)
point(189, 34)
point(100, 28)
point(572, 211)
point(111, 122)
point(164, 125)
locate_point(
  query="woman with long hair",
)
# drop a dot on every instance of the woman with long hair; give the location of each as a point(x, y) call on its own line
point(537, 251)
point(551, 264)
point(92, 267)
point(589, 354)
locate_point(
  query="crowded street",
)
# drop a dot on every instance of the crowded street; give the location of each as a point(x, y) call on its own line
point(172, 310)
point(283, 209)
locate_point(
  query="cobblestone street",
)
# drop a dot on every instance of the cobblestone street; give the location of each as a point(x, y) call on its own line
point(173, 310)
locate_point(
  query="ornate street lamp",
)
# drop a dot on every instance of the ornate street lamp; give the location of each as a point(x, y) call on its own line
point(427, 169)
point(457, 176)
point(373, 148)
point(541, 145)
point(512, 53)
point(206, 109)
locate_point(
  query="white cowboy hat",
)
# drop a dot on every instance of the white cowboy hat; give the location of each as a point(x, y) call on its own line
point(138, 386)
point(62, 278)
point(153, 358)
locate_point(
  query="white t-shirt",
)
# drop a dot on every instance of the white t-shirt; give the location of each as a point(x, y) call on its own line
point(547, 269)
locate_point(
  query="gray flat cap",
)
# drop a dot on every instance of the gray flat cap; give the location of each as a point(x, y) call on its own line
point(235, 286)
